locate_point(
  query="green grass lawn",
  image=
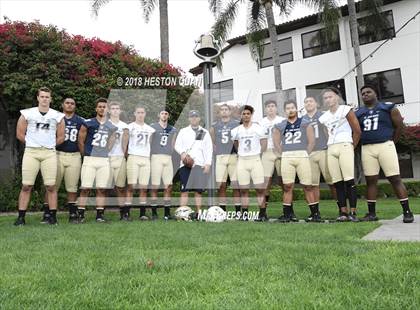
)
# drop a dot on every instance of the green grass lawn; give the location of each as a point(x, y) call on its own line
point(207, 265)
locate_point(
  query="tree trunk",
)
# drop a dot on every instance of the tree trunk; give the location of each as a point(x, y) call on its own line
point(164, 31)
point(356, 45)
point(275, 47)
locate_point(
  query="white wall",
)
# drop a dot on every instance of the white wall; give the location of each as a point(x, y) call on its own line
point(402, 52)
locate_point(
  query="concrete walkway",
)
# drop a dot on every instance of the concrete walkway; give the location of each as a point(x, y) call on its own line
point(396, 230)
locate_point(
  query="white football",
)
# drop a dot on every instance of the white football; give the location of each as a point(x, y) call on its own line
point(183, 213)
point(215, 214)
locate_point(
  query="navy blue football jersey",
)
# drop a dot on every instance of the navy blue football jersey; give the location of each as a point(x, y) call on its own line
point(223, 141)
point(72, 132)
point(97, 137)
point(376, 123)
point(162, 139)
point(321, 137)
point(293, 135)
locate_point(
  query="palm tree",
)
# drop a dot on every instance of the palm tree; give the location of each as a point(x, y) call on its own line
point(376, 21)
point(261, 16)
point(148, 6)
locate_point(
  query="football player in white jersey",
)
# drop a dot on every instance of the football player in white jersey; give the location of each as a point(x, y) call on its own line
point(40, 129)
point(138, 162)
point(250, 140)
point(270, 158)
point(343, 136)
point(117, 157)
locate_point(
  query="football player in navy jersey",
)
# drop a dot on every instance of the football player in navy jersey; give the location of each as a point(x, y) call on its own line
point(294, 139)
point(69, 159)
point(381, 124)
point(226, 156)
point(162, 147)
point(96, 138)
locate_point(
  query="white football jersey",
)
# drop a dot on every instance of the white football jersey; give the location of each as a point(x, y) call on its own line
point(42, 129)
point(268, 125)
point(139, 140)
point(249, 139)
point(117, 148)
point(339, 130)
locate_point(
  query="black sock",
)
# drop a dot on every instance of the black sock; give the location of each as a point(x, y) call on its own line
point(127, 209)
point(314, 207)
point(243, 210)
point(53, 213)
point(404, 205)
point(223, 206)
point(154, 209)
point(351, 193)
point(341, 194)
point(267, 198)
point(142, 209)
point(338, 205)
point(122, 211)
point(263, 212)
point(99, 213)
point(72, 207)
point(237, 208)
point(22, 213)
point(167, 209)
point(371, 206)
point(46, 208)
point(291, 209)
point(287, 209)
point(81, 212)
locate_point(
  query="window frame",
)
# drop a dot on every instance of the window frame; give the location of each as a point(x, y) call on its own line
point(218, 90)
point(285, 54)
point(372, 34)
point(321, 46)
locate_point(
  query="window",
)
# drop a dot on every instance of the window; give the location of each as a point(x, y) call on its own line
point(316, 43)
point(389, 85)
point(286, 53)
point(368, 33)
point(223, 91)
point(316, 89)
point(289, 94)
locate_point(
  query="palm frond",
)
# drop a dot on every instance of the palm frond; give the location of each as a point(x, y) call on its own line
point(148, 6)
point(96, 5)
point(256, 32)
point(376, 20)
point(285, 6)
point(329, 16)
point(215, 7)
point(225, 21)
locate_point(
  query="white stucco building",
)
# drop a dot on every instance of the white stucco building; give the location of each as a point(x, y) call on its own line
point(308, 63)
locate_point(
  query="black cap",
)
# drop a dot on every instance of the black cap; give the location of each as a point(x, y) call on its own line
point(194, 113)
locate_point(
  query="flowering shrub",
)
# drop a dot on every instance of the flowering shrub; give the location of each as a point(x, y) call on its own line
point(33, 55)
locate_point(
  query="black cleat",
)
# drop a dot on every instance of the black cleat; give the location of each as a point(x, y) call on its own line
point(168, 218)
point(82, 219)
point(342, 218)
point(73, 218)
point(369, 217)
point(314, 218)
point(100, 219)
point(408, 217)
point(125, 218)
point(353, 218)
point(263, 218)
point(53, 221)
point(293, 217)
point(45, 218)
point(20, 221)
point(285, 219)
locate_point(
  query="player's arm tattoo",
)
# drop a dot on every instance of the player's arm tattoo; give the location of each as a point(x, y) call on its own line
point(276, 136)
point(355, 127)
point(125, 141)
point(263, 143)
point(310, 134)
point(397, 123)
point(21, 127)
point(61, 129)
point(81, 139)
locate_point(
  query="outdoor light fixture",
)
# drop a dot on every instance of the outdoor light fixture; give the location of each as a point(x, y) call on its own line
point(207, 48)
